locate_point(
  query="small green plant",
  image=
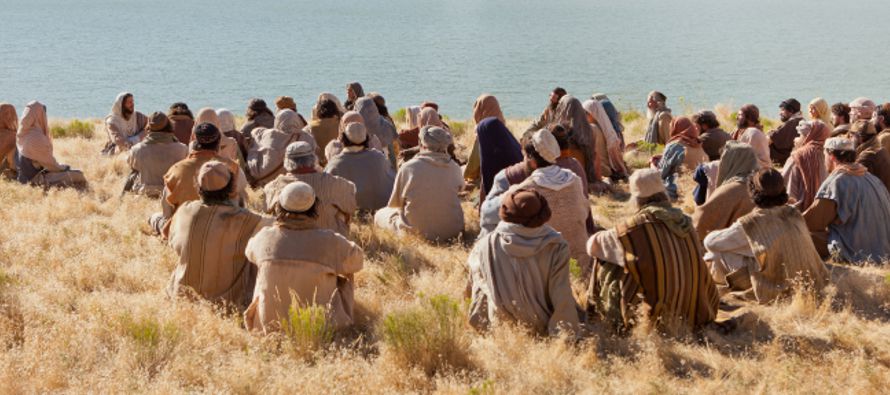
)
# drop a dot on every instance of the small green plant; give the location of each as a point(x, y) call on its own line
point(486, 388)
point(399, 115)
point(458, 128)
point(649, 148)
point(574, 269)
point(429, 336)
point(630, 115)
point(154, 341)
point(307, 328)
point(74, 128)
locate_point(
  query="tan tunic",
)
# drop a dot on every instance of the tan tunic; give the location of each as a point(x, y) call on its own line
point(210, 242)
point(152, 158)
point(314, 266)
point(336, 196)
point(728, 202)
point(425, 198)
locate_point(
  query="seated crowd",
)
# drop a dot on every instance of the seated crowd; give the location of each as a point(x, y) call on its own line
point(770, 206)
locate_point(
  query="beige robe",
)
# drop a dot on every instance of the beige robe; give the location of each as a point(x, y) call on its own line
point(152, 158)
point(728, 202)
point(425, 198)
point(123, 133)
point(314, 266)
point(760, 143)
point(336, 196)
point(210, 242)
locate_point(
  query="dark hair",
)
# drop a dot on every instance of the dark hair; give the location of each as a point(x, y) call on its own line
point(221, 196)
point(843, 156)
point(707, 118)
point(283, 215)
point(763, 201)
point(561, 134)
point(790, 105)
point(380, 102)
point(180, 108)
point(532, 153)
point(659, 96)
point(884, 113)
point(656, 198)
point(841, 110)
point(327, 109)
point(256, 107)
point(560, 91)
point(214, 146)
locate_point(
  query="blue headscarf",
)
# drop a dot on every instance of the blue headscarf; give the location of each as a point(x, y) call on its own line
point(498, 149)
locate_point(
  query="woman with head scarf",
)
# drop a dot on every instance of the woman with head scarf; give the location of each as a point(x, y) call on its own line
point(258, 115)
point(730, 199)
point(427, 116)
point(228, 147)
point(9, 123)
point(683, 151)
point(805, 170)
point(571, 114)
point(486, 106)
point(227, 127)
point(35, 162)
point(608, 146)
point(290, 122)
point(354, 91)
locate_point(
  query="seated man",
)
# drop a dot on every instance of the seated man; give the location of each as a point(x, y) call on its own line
point(850, 219)
point(519, 272)
point(561, 187)
point(300, 264)
point(654, 258)
point(179, 182)
point(210, 236)
point(336, 195)
point(712, 137)
point(766, 252)
point(154, 156)
point(125, 126)
point(425, 195)
point(781, 139)
point(368, 169)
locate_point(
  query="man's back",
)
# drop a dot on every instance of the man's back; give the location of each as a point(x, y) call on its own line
point(427, 189)
point(152, 160)
point(369, 171)
point(862, 227)
point(336, 195)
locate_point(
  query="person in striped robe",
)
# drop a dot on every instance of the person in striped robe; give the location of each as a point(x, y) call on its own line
point(653, 258)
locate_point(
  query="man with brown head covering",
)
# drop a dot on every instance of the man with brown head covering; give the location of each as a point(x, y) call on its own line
point(179, 182)
point(781, 139)
point(124, 125)
point(300, 264)
point(659, 129)
point(767, 252)
point(654, 257)
point(210, 236)
point(153, 157)
point(520, 271)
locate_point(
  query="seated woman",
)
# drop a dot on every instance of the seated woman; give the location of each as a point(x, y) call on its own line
point(730, 199)
point(35, 162)
point(682, 151)
point(766, 252)
point(9, 122)
point(608, 146)
point(805, 169)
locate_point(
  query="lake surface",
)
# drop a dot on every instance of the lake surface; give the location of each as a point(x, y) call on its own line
point(76, 55)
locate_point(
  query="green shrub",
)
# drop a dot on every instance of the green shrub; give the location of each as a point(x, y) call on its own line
point(430, 336)
point(154, 341)
point(307, 328)
point(74, 128)
point(630, 115)
point(574, 268)
point(399, 115)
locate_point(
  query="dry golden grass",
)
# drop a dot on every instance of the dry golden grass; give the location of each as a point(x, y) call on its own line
point(82, 309)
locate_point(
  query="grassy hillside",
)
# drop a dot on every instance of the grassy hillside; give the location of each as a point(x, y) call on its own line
point(83, 309)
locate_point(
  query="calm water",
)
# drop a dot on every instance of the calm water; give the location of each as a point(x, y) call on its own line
point(76, 55)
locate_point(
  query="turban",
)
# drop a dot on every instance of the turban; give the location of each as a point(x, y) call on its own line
point(213, 176)
point(546, 145)
point(645, 183)
point(525, 207)
point(435, 138)
point(297, 197)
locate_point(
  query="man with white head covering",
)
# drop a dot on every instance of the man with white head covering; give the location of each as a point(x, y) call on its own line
point(368, 169)
point(654, 257)
point(336, 195)
point(850, 218)
point(562, 189)
point(153, 157)
point(210, 237)
point(125, 126)
point(179, 182)
point(425, 197)
point(520, 271)
point(300, 264)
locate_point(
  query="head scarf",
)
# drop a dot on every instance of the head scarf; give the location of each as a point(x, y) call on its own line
point(429, 117)
point(596, 109)
point(737, 162)
point(350, 117)
point(487, 106)
point(810, 159)
point(8, 118)
point(571, 114)
point(823, 110)
point(861, 108)
point(645, 183)
point(117, 115)
point(498, 149)
point(289, 121)
point(374, 122)
point(33, 139)
point(207, 115)
point(685, 131)
point(226, 120)
point(525, 207)
point(412, 117)
point(435, 139)
point(357, 89)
